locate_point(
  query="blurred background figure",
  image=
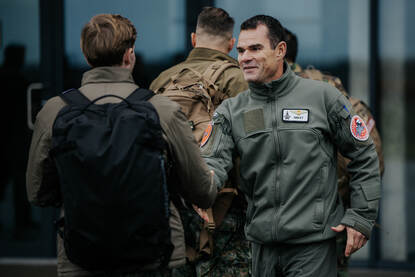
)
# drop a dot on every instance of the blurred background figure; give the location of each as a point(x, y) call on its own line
point(16, 135)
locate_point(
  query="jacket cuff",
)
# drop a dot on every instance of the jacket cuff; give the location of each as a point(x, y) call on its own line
point(357, 222)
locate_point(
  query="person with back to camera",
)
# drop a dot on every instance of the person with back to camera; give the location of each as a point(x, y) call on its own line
point(106, 237)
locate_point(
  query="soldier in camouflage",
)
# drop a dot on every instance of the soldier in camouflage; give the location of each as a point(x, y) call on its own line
point(364, 112)
point(230, 253)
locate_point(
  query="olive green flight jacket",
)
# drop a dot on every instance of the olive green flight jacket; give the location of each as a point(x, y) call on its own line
point(287, 133)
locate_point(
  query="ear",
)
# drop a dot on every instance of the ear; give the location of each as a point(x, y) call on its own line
point(231, 44)
point(193, 39)
point(128, 59)
point(281, 49)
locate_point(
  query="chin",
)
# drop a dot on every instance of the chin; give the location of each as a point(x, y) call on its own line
point(250, 78)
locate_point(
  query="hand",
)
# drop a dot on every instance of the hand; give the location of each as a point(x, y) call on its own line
point(355, 239)
point(202, 213)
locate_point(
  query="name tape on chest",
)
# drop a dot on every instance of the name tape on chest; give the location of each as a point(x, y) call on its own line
point(295, 115)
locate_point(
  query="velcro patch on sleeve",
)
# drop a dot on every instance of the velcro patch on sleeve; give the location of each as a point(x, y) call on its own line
point(358, 128)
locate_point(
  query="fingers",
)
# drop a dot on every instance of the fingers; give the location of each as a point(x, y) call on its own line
point(361, 242)
point(202, 213)
point(338, 228)
point(350, 242)
point(355, 241)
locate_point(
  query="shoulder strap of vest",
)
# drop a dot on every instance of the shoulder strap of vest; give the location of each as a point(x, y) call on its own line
point(213, 71)
point(74, 97)
point(140, 94)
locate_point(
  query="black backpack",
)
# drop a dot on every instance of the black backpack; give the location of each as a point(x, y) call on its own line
point(112, 175)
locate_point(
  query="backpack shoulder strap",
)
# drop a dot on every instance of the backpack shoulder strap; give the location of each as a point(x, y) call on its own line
point(140, 94)
point(211, 74)
point(74, 97)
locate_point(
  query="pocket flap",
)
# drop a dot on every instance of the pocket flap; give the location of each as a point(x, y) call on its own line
point(371, 191)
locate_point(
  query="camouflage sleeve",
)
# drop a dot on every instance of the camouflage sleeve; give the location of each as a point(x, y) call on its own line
point(351, 136)
point(218, 146)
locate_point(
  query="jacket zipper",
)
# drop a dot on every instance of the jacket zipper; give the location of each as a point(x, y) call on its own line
point(277, 195)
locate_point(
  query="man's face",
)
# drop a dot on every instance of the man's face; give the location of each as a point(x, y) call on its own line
point(259, 62)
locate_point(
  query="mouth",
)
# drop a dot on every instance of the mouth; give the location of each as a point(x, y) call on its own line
point(249, 68)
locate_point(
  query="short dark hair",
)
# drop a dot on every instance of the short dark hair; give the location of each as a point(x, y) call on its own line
point(292, 45)
point(105, 38)
point(275, 29)
point(215, 21)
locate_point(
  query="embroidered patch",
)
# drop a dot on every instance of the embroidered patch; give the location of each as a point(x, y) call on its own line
point(358, 128)
point(206, 135)
point(295, 115)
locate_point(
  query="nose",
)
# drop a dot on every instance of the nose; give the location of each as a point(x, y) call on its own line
point(244, 57)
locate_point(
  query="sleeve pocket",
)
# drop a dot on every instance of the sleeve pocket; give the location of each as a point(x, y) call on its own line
point(371, 191)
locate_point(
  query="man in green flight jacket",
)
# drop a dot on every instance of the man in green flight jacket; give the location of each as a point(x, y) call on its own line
point(287, 131)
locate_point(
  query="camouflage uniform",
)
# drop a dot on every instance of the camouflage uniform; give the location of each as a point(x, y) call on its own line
point(231, 253)
point(343, 177)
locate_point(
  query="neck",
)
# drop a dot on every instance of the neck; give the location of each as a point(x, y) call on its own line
point(210, 46)
point(278, 73)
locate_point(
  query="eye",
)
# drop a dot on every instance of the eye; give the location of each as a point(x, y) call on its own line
point(240, 50)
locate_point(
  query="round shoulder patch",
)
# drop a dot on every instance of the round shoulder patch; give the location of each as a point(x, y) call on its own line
point(358, 128)
point(206, 135)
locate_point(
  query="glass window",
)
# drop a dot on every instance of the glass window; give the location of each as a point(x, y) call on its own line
point(19, 24)
point(161, 34)
point(21, 230)
point(160, 26)
point(396, 68)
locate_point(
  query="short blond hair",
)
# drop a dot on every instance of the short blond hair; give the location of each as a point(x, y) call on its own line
point(105, 38)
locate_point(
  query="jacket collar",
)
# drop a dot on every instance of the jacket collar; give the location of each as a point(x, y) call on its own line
point(276, 88)
point(207, 54)
point(107, 74)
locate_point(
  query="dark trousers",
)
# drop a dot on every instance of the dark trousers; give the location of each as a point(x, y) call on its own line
point(316, 259)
